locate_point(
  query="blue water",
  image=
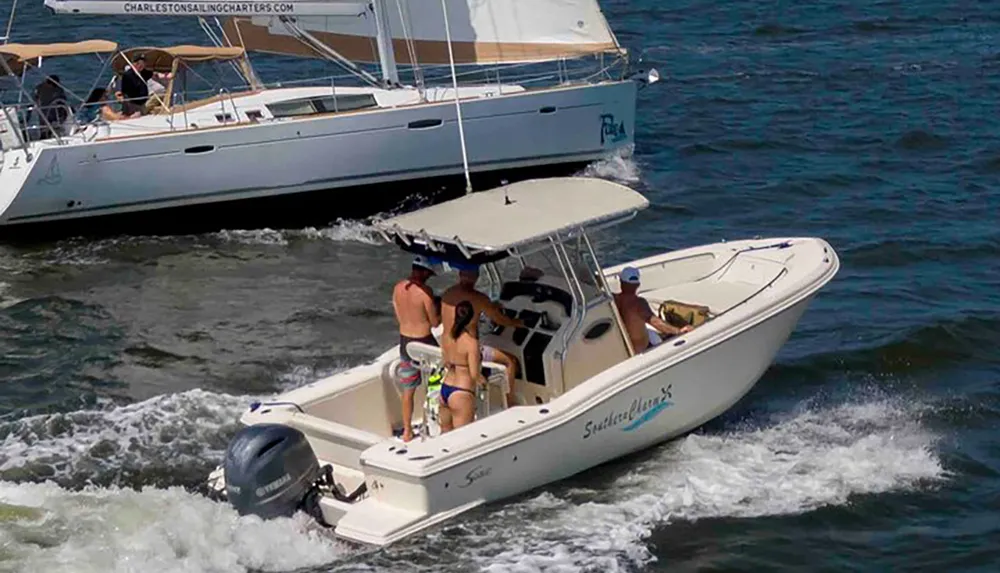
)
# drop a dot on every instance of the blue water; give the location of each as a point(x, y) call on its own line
point(870, 445)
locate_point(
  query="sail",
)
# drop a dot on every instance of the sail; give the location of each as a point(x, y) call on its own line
point(482, 32)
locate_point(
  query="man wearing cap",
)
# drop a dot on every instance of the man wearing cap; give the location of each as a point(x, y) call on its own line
point(134, 85)
point(636, 313)
point(465, 289)
point(417, 313)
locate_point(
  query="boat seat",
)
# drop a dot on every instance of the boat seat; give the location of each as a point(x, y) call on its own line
point(430, 358)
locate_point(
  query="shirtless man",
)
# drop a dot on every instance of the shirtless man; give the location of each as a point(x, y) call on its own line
point(465, 289)
point(416, 313)
point(635, 313)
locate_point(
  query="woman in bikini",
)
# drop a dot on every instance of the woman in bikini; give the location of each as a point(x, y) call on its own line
point(460, 350)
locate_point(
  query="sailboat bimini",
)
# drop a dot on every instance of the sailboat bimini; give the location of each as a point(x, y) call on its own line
point(259, 155)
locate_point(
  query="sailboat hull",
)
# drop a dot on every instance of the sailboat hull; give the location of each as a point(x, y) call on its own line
point(263, 174)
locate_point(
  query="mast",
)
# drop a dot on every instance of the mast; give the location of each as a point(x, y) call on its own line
point(458, 106)
point(10, 22)
point(386, 56)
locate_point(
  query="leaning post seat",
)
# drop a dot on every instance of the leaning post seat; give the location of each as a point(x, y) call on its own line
point(430, 358)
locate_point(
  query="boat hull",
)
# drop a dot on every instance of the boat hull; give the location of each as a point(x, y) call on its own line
point(640, 414)
point(329, 156)
point(756, 290)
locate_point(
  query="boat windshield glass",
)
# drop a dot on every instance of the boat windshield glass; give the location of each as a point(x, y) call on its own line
point(545, 263)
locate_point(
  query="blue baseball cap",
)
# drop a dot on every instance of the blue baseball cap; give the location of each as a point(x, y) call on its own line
point(463, 266)
point(427, 263)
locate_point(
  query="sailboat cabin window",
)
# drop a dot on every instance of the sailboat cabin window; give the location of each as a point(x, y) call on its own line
point(322, 104)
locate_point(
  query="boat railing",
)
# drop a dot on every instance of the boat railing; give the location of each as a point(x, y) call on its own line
point(33, 122)
point(562, 72)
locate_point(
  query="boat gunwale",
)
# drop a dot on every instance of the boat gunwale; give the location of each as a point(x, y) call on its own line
point(651, 363)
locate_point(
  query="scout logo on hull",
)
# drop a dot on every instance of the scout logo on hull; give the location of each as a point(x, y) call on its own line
point(642, 410)
point(611, 131)
point(475, 474)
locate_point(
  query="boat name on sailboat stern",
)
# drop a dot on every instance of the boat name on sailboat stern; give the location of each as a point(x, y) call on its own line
point(640, 411)
point(611, 131)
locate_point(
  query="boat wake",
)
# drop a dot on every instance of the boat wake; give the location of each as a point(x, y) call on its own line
point(791, 464)
point(151, 530)
point(619, 166)
point(342, 231)
point(116, 495)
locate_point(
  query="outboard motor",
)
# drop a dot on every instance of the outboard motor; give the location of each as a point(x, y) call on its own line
point(271, 471)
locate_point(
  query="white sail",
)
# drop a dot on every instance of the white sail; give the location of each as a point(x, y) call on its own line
point(210, 7)
point(482, 31)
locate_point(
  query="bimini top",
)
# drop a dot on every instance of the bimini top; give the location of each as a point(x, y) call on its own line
point(18, 56)
point(484, 226)
point(162, 59)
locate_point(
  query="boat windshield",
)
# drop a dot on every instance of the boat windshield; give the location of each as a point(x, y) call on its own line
point(545, 262)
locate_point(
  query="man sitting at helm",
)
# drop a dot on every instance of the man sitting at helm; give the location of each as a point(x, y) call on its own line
point(636, 314)
point(465, 289)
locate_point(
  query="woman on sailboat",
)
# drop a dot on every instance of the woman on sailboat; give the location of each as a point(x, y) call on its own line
point(463, 361)
point(98, 104)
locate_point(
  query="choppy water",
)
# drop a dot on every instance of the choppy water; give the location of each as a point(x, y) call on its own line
point(871, 444)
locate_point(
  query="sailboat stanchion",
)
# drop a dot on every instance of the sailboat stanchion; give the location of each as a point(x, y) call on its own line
point(458, 106)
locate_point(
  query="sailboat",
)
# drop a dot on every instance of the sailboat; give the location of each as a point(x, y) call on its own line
point(267, 156)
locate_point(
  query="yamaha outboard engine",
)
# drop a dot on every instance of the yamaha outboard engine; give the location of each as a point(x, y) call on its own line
point(271, 471)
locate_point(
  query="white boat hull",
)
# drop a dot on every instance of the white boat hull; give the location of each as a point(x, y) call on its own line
point(758, 291)
point(655, 409)
point(117, 174)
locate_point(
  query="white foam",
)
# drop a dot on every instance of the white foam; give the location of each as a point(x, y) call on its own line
point(6, 300)
point(619, 166)
point(110, 530)
point(253, 236)
point(342, 231)
point(165, 430)
point(803, 461)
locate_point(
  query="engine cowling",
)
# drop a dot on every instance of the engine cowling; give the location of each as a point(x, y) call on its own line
point(271, 471)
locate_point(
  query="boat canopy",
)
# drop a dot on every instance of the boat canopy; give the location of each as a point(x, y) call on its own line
point(487, 226)
point(18, 56)
point(162, 59)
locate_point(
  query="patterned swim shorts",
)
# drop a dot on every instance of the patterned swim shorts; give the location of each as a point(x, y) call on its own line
point(409, 375)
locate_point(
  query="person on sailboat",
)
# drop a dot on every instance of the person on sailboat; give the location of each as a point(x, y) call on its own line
point(98, 104)
point(135, 85)
point(52, 106)
point(636, 313)
point(465, 290)
point(462, 362)
point(417, 314)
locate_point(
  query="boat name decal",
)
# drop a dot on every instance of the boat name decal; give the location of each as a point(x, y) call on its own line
point(475, 474)
point(642, 410)
point(239, 8)
point(268, 488)
point(611, 131)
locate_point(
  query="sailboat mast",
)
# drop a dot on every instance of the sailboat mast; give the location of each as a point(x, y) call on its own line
point(386, 55)
point(10, 22)
point(458, 106)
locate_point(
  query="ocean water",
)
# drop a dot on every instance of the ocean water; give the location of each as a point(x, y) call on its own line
point(870, 445)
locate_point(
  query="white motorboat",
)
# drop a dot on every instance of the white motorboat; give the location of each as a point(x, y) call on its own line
point(259, 155)
point(581, 389)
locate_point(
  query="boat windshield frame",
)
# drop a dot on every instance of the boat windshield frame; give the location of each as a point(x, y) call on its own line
point(455, 251)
